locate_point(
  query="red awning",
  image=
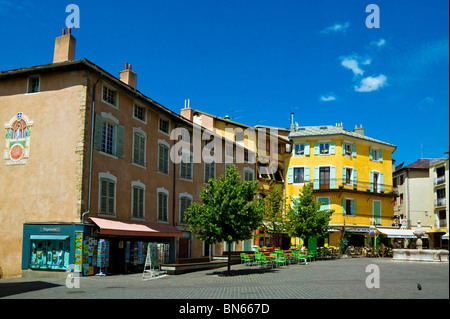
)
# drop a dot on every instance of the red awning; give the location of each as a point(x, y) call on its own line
point(134, 228)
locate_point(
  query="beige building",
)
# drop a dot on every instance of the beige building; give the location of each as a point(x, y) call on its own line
point(422, 197)
point(89, 174)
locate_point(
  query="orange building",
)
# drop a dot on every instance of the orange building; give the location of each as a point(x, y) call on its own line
point(87, 160)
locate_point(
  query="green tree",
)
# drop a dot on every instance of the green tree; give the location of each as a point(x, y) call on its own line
point(305, 218)
point(229, 211)
point(275, 207)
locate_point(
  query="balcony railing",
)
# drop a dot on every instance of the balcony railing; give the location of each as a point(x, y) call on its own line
point(441, 223)
point(440, 202)
point(342, 183)
point(439, 180)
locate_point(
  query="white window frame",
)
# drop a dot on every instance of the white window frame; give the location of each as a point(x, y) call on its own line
point(162, 190)
point(163, 118)
point(350, 144)
point(111, 120)
point(110, 177)
point(116, 92)
point(137, 184)
point(351, 212)
point(144, 110)
point(293, 174)
point(329, 147)
point(303, 152)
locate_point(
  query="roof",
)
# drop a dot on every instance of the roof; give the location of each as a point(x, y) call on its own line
point(326, 130)
point(425, 163)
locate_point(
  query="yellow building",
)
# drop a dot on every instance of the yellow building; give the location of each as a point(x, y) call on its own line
point(350, 174)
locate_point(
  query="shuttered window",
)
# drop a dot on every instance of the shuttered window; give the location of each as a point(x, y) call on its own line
point(163, 159)
point(139, 149)
point(107, 196)
point(138, 202)
point(163, 199)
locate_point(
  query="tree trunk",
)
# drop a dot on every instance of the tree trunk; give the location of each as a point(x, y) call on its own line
point(229, 260)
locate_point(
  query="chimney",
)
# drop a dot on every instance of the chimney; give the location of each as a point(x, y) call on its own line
point(64, 47)
point(359, 130)
point(127, 76)
point(292, 122)
point(187, 112)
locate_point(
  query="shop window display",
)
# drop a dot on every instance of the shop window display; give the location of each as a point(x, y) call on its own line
point(50, 254)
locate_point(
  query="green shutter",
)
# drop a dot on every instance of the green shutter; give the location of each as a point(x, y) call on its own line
point(344, 176)
point(316, 177)
point(332, 148)
point(120, 140)
point(354, 207)
point(371, 182)
point(354, 150)
point(333, 177)
point(307, 174)
point(355, 177)
point(343, 207)
point(343, 148)
point(307, 147)
point(316, 148)
point(290, 175)
point(380, 155)
point(370, 153)
point(381, 182)
point(377, 212)
point(98, 132)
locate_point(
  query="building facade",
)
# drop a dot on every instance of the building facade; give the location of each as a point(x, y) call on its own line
point(350, 173)
point(92, 172)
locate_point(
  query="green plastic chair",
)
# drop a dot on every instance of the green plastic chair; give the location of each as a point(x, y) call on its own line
point(265, 261)
point(311, 255)
point(303, 257)
point(282, 259)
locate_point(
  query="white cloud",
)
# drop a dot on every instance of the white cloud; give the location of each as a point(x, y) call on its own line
point(328, 97)
point(380, 43)
point(370, 84)
point(337, 27)
point(352, 64)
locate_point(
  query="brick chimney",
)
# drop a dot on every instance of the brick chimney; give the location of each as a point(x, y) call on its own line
point(187, 112)
point(64, 47)
point(127, 76)
point(359, 130)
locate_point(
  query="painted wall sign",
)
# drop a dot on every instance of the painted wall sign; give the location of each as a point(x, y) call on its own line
point(18, 133)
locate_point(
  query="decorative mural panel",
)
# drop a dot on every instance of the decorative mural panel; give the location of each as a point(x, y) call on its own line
point(18, 133)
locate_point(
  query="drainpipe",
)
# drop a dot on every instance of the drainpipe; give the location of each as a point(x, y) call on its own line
point(91, 150)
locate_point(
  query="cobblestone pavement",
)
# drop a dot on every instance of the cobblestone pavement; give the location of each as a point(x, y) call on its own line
point(323, 279)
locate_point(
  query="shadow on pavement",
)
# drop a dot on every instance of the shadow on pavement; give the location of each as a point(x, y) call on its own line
point(8, 289)
point(242, 272)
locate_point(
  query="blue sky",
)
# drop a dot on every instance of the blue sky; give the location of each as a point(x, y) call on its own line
point(254, 60)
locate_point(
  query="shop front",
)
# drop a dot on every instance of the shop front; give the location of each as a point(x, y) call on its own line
point(122, 246)
point(52, 248)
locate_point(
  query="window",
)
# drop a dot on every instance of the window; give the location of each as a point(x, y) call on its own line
point(299, 174)
point(107, 196)
point(163, 199)
point(349, 149)
point(376, 182)
point(299, 149)
point(376, 155)
point(349, 206)
point(246, 158)
point(163, 157)
point(164, 126)
point(108, 135)
point(324, 148)
point(34, 84)
point(139, 113)
point(229, 150)
point(108, 138)
point(440, 175)
point(109, 96)
point(210, 170)
point(324, 177)
point(248, 174)
point(186, 166)
point(185, 202)
point(325, 202)
point(50, 254)
point(138, 202)
point(377, 212)
point(400, 200)
point(348, 175)
point(441, 221)
point(440, 197)
point(139, 149)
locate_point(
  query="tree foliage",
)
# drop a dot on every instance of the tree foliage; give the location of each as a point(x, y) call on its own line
point(228, 213)
point(305, 218)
